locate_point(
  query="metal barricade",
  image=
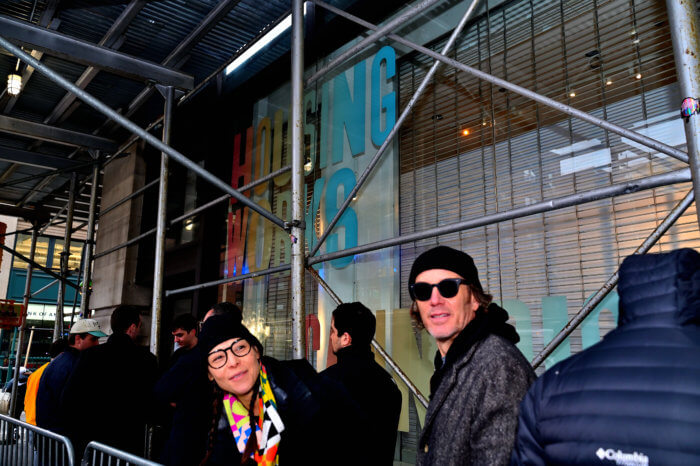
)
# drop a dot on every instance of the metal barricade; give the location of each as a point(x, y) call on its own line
point(99, 454)
point(23, 444)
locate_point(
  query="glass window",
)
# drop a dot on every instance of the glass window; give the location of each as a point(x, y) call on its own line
point(24, 243)
point(76, 251)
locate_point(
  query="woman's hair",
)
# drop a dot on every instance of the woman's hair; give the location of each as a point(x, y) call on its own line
point(483, 298)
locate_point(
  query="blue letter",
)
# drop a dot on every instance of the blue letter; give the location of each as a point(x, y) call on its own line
point(388, 102)
point(349, 113)
point(345, 178)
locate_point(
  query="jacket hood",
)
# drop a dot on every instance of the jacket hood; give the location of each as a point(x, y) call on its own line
point(665, 287)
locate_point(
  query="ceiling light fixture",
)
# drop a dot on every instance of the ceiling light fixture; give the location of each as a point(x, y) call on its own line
point(465, 132)
point(257, 46)
point(14, 84)
point(639, 76)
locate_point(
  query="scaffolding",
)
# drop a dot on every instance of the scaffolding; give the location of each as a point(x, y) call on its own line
point(682, 17)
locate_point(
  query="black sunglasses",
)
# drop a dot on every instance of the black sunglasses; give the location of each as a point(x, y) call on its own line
point(448, 288)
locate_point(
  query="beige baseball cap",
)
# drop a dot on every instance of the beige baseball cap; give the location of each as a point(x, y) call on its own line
point(88, 326)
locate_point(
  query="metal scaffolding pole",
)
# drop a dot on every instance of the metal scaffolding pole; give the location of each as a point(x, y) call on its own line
point(194, 211)
point(678, 176)
point(390, 137)
point(571, 111)
point(121, 201)
point(221, 199)
point(158, 269)
point(63, 209)
point(44, 288)
point(380, 32)
point(382, 352)
point(297, 230)
point(674, 215)
point(134, 128)
point(38, 266)
point(23, 328)
point(89, 243)
point(683, 22)
point(65, 255)
point(237, 278)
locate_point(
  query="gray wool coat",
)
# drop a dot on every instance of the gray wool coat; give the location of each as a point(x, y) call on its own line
point(473, 415)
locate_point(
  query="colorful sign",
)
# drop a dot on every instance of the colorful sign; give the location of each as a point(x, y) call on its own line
point(11, 314)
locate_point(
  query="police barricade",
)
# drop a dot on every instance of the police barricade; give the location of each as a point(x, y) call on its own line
point(99, 454)
point(23, 444)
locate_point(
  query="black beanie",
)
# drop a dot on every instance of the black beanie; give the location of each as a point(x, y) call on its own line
point(443, 257)
point(219, 328)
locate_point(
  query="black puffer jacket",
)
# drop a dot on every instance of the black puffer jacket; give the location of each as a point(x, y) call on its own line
point(634, 398)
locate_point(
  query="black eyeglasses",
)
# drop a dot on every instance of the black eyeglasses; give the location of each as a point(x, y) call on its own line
point(217, 359)
point(448, 288)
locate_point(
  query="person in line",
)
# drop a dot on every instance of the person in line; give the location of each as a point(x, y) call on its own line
point(480, 376)
point(374, 390)
point(269, 412)
point(117, 377)
point(184, 331)
point(634, 397)
point(186, 389)
point(56, 348)
point(84, 334)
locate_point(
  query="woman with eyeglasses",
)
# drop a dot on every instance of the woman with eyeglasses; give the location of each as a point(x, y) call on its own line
point(265, 412)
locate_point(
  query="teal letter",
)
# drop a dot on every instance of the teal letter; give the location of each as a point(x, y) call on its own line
point(345, 178)
point(519, 311)
point(349, 113)
point(386, 103)
point(590, 328)
point(554, 318)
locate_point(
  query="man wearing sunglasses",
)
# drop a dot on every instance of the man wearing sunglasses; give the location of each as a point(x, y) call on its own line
point(480, 376)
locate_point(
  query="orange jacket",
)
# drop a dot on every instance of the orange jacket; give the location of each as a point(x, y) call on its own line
point(30, 397)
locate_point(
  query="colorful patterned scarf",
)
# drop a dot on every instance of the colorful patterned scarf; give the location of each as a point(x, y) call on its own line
point(268, 429)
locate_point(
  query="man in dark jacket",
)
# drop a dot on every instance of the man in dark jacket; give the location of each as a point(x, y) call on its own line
point(480, 376)
point(370, 386)
point(84, 334)
point(634, 398)
point(117, 379)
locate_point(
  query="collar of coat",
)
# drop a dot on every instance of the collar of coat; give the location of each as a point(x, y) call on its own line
point(354, 352)
point(485, 322)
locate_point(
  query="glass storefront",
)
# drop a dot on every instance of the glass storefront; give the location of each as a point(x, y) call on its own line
point(467, 150)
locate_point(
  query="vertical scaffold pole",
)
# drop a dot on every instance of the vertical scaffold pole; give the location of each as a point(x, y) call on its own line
point(297, 228)
point(683, 21)
point(168, 93)
point(65, 255)
point(89, 243)
point(23, 328)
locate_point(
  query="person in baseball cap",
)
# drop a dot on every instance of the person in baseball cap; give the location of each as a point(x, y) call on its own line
point(84, 334)
point(87, 327)
point(480, 376)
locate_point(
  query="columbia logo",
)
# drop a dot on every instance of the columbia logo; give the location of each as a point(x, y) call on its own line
point(623, 459)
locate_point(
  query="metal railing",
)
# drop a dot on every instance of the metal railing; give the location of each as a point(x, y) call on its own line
point(97, 453)
point(23, 444)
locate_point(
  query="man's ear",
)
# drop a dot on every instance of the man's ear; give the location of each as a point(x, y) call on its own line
point(345, 339)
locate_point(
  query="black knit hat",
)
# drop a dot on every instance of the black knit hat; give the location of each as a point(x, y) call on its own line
point(219, 328)
point(443, 257)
